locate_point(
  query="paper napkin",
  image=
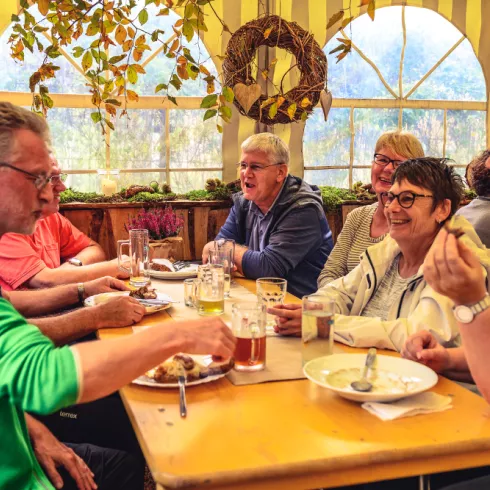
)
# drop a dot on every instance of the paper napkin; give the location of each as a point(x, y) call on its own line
point(427, 402)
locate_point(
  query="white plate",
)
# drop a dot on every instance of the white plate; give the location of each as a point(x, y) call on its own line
point(189, 271)
point(104, 297)
point(423, 377)
point(206, 360)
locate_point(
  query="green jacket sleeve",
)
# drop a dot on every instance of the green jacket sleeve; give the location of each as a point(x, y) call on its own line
point(34, 374)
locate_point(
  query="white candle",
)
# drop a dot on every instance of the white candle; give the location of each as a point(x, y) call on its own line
point(109, 187)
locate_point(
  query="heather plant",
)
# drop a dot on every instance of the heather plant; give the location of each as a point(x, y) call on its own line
point(160, 223)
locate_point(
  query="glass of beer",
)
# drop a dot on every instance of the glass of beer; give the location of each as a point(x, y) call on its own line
point(317, 327)
point(225, 258)
point(248, 324)
point(210, 298)
point(139, 246)
point(271, 291)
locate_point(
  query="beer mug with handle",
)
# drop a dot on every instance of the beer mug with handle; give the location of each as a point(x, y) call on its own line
point(139, 244)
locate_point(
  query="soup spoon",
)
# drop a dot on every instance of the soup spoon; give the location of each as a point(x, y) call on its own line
point(363, 384)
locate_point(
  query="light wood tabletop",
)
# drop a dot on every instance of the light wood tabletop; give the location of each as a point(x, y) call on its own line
point(295, 434)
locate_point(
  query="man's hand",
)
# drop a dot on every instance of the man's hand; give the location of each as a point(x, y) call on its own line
point(452, 269)
point(205, 251)
point(288, 319)
point(119, 312)
point(104, 285)
point(51, 453)
point(423, 347)
point(114, 269)
point(207, 336)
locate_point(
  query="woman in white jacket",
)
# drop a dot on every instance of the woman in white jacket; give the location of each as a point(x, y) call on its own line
point(385, 298)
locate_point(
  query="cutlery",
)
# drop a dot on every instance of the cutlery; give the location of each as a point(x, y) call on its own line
point(363, 384)
point(155, 302)
point(183, 403)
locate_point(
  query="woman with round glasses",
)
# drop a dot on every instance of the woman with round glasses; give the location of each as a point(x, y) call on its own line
point(386, 298)
point(367, 225)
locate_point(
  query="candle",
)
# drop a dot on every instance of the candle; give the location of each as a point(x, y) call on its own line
point(109, 187)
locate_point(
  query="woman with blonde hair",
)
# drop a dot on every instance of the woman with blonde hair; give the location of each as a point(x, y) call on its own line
point(367, 225)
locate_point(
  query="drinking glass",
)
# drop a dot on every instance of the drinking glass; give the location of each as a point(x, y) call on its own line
point(249, 327)
point(317, 327)
point(271, 291)
point(225, 258)
point(191, 291)
point(222, 244)
point(139, 245)
point(210, 298)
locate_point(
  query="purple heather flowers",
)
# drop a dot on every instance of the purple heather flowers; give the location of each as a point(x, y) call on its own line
point(160, 223)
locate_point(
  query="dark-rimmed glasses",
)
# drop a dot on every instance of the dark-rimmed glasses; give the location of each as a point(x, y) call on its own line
point(255, 167)
point(405, 199)
point(383, 160)
point(39, 181)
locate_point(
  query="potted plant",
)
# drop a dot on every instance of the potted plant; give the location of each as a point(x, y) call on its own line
point(163, 226)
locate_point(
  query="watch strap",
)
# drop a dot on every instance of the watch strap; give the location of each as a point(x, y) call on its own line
point(482, 305)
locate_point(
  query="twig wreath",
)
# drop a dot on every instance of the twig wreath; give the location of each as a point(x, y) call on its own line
point(294, 105)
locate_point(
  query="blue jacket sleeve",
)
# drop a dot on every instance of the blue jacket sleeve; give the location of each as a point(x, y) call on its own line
point(230, 228)
point(34, 374)
point(289, 244)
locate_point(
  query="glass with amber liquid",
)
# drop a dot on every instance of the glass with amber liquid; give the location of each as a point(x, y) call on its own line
point(248, 324)
point(210, 299)
point(139, 248)
point(317, 327)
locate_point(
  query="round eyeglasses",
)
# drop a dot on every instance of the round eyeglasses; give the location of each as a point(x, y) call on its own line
point(405, 199)
point(383, 160)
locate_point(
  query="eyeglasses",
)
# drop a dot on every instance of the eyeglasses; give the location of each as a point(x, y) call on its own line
point(39, 181)
point(55, 179)
point(255, 167)
point(405, 199)
point(383, 160)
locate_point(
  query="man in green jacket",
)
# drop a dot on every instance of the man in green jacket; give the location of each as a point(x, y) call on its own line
point(36, 376)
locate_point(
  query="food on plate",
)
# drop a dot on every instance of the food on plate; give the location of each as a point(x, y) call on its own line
point(160, 267)
point(169, 371)
point(383, 382)
point(144, 293)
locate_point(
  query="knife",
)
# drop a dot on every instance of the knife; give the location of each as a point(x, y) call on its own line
point(183, 403)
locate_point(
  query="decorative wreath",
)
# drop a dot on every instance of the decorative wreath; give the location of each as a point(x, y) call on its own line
point(273, 31)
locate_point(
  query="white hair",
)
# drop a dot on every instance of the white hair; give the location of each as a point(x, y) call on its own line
point(269, 144)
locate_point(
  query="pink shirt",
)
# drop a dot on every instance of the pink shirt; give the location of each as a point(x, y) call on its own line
point(54, 241)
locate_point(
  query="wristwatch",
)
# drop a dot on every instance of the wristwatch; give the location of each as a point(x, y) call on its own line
point(75, 261)
point(466, 314)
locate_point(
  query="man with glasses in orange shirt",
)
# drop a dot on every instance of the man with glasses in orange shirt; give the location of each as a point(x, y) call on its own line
point(56, 253)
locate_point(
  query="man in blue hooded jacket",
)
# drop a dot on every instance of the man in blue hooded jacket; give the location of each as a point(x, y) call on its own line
point(277, 221)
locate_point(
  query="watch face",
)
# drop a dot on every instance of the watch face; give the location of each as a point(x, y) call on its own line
point(463, 314)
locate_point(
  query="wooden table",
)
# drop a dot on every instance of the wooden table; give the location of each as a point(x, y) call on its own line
point(294, 434)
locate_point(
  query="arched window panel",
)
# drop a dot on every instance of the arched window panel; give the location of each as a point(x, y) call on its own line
point(15, 76)
point(336, 178)
point(352, 77)
point(139, 141)
point(327, 143)
point(458, 77)
point(428, 127)
point(369, 124)
point(380, 41)
point(465, 135)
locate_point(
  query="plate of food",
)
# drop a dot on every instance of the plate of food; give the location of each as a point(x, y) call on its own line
point(197, 369)
point(164, 269)
point(151, 299)
point(392, 377)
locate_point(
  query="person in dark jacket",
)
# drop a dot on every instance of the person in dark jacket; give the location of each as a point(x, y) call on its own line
point(277, 220)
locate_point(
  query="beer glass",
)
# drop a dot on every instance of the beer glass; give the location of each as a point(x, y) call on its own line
point(191, 291)
point(138, 244)
point(225, 258)
point(271, 291)
point(223, 244)
point(248, 324)
point(317, 327)
point(210, 298)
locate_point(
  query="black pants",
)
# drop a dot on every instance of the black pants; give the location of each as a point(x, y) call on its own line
point(113, 469)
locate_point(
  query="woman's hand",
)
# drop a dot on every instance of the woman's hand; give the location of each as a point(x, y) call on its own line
point(423, 347)
point(288, 319)
point(452, 269)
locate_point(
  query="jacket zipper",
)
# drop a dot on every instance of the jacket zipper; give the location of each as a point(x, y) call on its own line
point(374, 274)
point(409, 285)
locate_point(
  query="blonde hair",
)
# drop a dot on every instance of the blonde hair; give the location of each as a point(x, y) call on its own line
point(12, 118)
point(402, 143)
point(270, 144)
